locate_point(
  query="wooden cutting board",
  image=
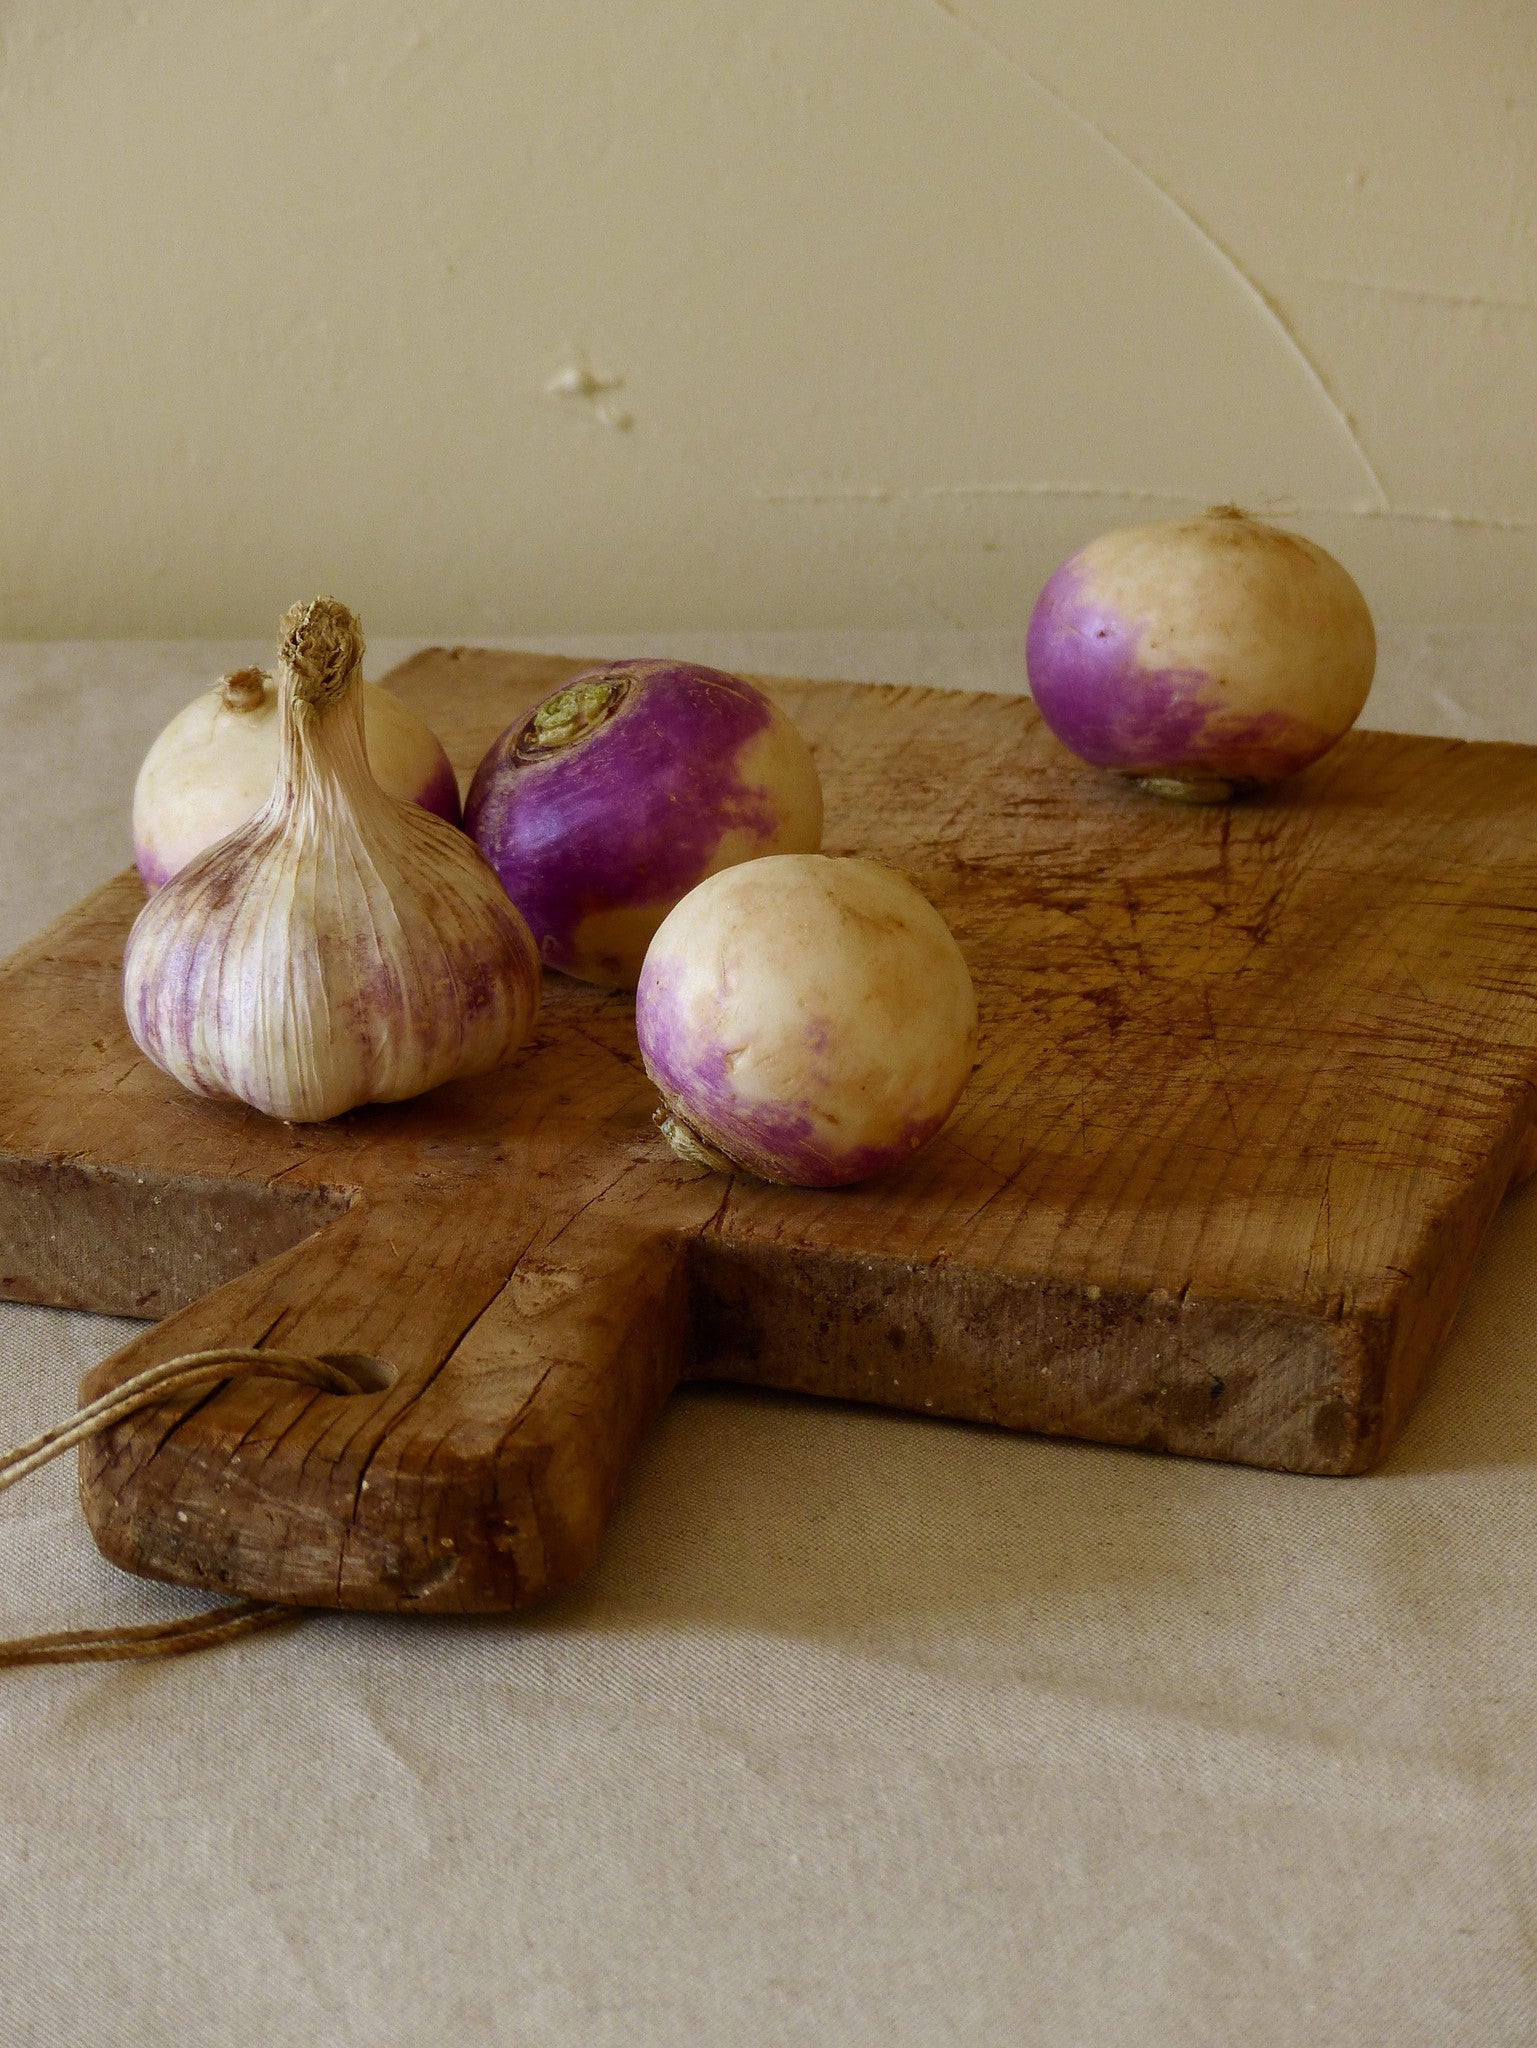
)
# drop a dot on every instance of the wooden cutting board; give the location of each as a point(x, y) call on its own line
point(1253, 1080)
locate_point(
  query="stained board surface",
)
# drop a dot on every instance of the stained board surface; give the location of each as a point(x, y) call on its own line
point(1252, 1082)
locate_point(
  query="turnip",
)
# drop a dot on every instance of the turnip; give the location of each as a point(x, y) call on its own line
point(1202, 656)
point(807, 1019)
point(213, 767)
point(604, 806)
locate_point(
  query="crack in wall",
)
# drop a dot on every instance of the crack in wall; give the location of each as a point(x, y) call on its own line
point(881, 494)
point(1428, 295)
point(1249, 285)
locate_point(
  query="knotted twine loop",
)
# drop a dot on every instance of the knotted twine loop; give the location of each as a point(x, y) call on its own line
point(149, 1389)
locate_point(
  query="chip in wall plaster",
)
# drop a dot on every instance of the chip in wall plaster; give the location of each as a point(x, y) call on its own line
point(577, 385)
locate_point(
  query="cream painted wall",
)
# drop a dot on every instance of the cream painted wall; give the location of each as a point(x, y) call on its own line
point(588, 315)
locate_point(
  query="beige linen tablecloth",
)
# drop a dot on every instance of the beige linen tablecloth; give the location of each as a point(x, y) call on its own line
point(865, 1729)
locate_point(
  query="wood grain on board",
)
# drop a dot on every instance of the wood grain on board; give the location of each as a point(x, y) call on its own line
point(1252, 1082)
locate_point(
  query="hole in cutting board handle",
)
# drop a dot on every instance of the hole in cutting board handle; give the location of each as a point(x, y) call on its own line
point(373, 1375)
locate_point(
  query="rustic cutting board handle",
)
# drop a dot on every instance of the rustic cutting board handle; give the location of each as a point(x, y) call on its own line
point(522, 1372)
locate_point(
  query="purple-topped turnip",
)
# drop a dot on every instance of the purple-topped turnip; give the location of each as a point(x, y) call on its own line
point(806, 1019)
point(618, 794)
point(213, 767)
point(1202, 656)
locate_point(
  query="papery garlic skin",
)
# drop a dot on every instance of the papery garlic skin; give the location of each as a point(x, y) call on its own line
point(344, 946)
point(212, 768)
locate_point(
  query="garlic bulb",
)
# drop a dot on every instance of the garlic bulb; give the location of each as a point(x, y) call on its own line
point(343, 946)
point(213, 767)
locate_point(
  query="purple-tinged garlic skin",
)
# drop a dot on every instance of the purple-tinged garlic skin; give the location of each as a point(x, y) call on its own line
point(624, 789)
point(212, 768)
point(1203, 656)
point(808, 1019)
point(344, 946)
